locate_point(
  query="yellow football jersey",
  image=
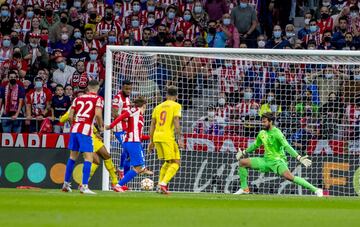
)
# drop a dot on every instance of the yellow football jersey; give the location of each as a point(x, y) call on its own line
point(164, 114)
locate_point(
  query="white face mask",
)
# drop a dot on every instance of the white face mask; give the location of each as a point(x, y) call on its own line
point(261, 43)
point(307, 21)
point(211, 114)
point(253, 112)
point(273, 108)
point(221, 101)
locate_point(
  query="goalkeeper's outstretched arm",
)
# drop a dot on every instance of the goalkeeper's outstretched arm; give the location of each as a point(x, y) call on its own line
point(250, 149)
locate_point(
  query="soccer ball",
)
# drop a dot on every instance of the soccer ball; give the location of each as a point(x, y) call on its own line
point(147, 184)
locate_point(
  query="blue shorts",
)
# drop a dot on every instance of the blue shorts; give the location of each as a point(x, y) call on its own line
point(81, 143)
point(120, 136)
point(135, 151)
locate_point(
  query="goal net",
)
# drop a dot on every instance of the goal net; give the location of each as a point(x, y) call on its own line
point(315, 96)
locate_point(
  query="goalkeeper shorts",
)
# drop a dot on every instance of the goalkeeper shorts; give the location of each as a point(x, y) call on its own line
point(167, 150)
point(265, 165)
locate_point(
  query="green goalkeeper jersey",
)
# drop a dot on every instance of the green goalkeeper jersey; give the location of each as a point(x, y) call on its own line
point(274, 144)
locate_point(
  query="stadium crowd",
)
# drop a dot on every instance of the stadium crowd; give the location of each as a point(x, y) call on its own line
point(49, 50)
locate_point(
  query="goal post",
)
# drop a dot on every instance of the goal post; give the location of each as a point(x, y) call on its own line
point(313, 93)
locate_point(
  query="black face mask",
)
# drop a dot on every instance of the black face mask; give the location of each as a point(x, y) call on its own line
point(49, 12)
point(324, 16)
point(78, 46)
point(348, 42)
point(108, 17)
point(327, 39)
point(17, 55)
point(212, 31)
point(18, 12)
point(12, 81)
point(179, 38)
point(14, 40)
point(162, 34)
point(93, 16)
point(63, 20)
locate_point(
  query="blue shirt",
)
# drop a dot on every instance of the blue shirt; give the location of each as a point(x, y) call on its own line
point(60, 106)
point(219, 41)
point(303, 32)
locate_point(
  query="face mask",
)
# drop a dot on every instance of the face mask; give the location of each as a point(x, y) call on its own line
point(277, 34)
point(290, 34)
point(161, 34)
point(313, 28)
point(61, 65)
point(353, 14)
point(77, 35)
point(198, 9)
point(5, 13)
point(187, 17)
point(93, 57)
point(228, 65)
point(135, 23)
point(211, 114)
point(17, 30)
point(151, 9)
point(281, 79)
point(212, 31)
point(108, 17)
point(357, 77)
point(49, 12)
point(329, 75)
point(179, 38)
point(261, 43)
point(221, 101)
point(253, 112)
point(273, 108)
point(63, 20)
point(226, 21)
point(243, 5)
point(77, 4)
point(151, 21)
point(6, 43)
point(12, 81)
point(327, 39)
point(136, 8)
point(324, 16)
point(248, 95)
point(64, 36)
point(307, 21)
point(15, 40)
point(37, 11)
point(270, 98)
point(33, 45)
point(93, 16)
point(171, 15)
point(112, 39)
point(78, 46)
point(63, 6)
point(30, 14)
point(18, 12)
point(38, 84)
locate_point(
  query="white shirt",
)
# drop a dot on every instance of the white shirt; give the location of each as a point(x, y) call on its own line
point(63, 77)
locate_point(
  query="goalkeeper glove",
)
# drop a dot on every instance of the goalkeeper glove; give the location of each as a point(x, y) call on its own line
point(240, 154)
point(304, 160)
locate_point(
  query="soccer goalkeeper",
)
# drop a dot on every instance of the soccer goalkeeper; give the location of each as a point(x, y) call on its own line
point(274, 158)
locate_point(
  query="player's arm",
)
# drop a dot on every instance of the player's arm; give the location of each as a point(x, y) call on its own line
point(152, 130)
point(120, 118)
point(255, 145)
point(178, 131)
point(303, 160)
point(65, 117)
point(71, 115)
point(99, 118)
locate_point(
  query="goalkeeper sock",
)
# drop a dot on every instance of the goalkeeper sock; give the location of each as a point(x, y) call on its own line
point(86, 172)
point(128, 177)
point(304, 183)
point(93, 169)
point(69, 169)
point(163, 170)
point(243, 174)
point(170, 173)
point(109, 165)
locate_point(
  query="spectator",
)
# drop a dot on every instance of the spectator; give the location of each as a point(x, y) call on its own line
point(107, 24)
point(270, 105)
point(301, 138)
point(223, 109)
point(12, 95)
point(229, 77)
point(179, 38)
point(78, 53)
point(314, 34)
point(216, 9)
point(252, 121)
point(50, 18)
point(354, 21)
point(59, 105)
point(339, 35)
point(6, 50)
point(326, 23)
point(75, 19)
point(94, 68)
point(200, 16)
point(15, 40)
point(277, 42)
point(306, 29)
point(37, 104)
point(210, 124)
point(146, 36)
point(326, 43)
point(136, 11)
point(261, 41)
point(170, 20)
point(69, 92)
point(65, 43)
point(215, 36)
point(349, 42)
point(353, 119)
point(162, 36)
point(90, 42)
point(6, 22)
point(243, 107)
point(79, 80)
point(64, 72)
point(233, 37)
point(188, 26)
point(134, 31)
point(332, 113)
point(244, 19)
point(55, 31)
point(306, 107)
point(34, 29)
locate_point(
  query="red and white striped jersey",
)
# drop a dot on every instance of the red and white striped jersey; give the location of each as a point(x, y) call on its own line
point(127, 21)
point(95, 70)
point(326, 25)
point(354, 25)
point(84, 109)
point(94, 44)
point(54, 3)
point(223, 111)
point(121, 103)
point(100, 8)
point(191, 31)
point(38, 101)
point(5, 54)
point(103, 27)
point(243, 108)
point(229, 78)
point(186, 6)
point(137, 32)
point(317, 37)
point(25, 25)
point(171, 24)
point(135, 124)
point(168, 2)
point(127, 9)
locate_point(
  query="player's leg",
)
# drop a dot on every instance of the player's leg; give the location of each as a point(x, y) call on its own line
point(160, 153)
point(136, 160)
point(94, 165)
point(109, 165)
point(74, 154)
point(87, 148)
point(300, 181)
point(123, 156)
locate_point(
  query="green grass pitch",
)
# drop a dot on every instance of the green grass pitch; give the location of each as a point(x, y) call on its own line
point(55, 208)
